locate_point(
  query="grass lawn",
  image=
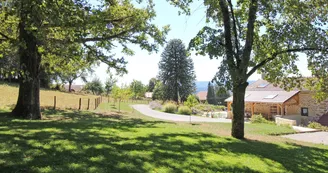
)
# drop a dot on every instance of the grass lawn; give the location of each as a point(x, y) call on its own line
point(71, 141)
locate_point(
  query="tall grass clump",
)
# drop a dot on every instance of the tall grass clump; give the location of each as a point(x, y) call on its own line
point(170, 108)
point(184, 110)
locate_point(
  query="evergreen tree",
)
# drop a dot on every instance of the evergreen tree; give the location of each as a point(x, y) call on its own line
point(176, 71)
point(151, 85)
point(221, 94)
point(211, 97)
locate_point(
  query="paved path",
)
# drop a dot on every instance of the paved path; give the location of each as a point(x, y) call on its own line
point(315, 137)
point(145, 109)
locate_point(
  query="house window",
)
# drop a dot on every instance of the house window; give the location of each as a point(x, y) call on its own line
point(273, 110)
point(305, 111)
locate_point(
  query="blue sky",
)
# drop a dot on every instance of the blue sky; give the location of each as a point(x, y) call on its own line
point(143, 66)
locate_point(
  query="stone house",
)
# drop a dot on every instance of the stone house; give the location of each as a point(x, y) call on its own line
point(264, 98)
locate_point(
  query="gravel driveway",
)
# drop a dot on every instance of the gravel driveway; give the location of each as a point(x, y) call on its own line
point(315, 137)
point(145, 109)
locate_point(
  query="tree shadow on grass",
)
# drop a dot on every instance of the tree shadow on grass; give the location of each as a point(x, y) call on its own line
point(109, 144)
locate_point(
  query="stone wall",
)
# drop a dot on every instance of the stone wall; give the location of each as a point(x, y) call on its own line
point(283, 121)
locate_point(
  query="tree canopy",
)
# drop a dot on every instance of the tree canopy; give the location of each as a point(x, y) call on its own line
point(264, 36)
point(176, 71)
point(138, 89)
point(43, 32)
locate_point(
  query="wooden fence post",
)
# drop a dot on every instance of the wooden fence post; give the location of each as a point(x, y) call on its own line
point(55, 100)
point(80, 101)
point(88, 104)
point(95, 103)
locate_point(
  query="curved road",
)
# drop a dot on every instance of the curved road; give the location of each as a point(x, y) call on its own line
point(145, 109)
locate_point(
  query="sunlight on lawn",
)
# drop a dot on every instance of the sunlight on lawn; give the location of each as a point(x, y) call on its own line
point(73, 141)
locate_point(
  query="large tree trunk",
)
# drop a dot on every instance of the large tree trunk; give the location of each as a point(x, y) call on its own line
point(28, 103)
point(70, 86)
point(238, 105)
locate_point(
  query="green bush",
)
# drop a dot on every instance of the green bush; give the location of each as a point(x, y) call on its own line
point(184, 110)
point(170, 108)
point(259, 119)
point(315, 125)
point(191, 101)
point(209, 108)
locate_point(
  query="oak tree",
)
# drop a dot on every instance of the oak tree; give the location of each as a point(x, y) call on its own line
point(260, 35)
point(40, 29)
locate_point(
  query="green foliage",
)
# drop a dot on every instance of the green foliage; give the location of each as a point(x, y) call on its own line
point(184, 110)
point(209, 107)
point(221, 94)
point(138, 89)
point(122, 93)
point(176, 71)
point(95, 87)
point(46, 34)
point(170, 108)
point(110, 83)
point(263, 36)
point(152, 84)
point(191, 101)
point(315, 125)
point(211, 96)
point(259, 119)
point(158, 93)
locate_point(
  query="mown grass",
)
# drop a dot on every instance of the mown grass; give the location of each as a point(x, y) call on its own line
point(73, 141)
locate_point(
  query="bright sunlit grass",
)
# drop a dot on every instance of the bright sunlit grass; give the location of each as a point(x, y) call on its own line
point(107, 141)
point(73, 141)
point(9, 95)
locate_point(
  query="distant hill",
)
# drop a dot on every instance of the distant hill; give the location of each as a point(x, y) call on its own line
point(202, 85)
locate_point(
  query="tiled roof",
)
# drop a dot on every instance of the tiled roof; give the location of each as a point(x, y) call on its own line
point(267, 96)
point(202, 95)
point(262, 85)
point(264, 92)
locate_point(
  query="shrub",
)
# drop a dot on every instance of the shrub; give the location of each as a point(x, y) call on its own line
point(315, 125)
point(196, 111)
point(221, 107)
point(259, 119)
point(191, 101)
point(155, 105)
point(169, 108)
point(204, 107)
point(185, 110)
